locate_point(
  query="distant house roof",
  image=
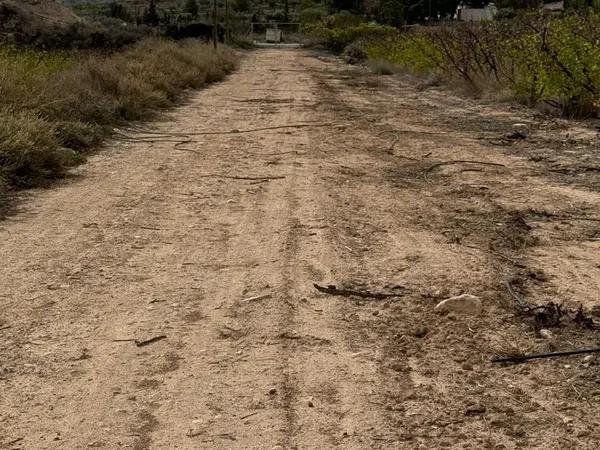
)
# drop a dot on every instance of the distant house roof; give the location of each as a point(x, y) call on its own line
point(554, 6)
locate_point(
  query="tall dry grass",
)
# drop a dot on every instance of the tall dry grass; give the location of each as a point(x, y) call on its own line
point(56, 106)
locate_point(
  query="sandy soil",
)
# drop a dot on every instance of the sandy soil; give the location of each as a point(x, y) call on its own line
point(163, 235)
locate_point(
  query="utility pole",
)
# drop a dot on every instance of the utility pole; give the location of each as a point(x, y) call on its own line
point(227, 22)
point(215, 23)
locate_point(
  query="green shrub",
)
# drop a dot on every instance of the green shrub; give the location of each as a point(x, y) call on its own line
point(29, 148)
point(541, 59)
point(55, 105)
point(337, 39)
point(413, 51)
point(312, 14)
point(344, 19)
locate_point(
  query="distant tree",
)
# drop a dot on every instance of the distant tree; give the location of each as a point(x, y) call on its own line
point(518, 4)
point(371, 8)
point(353, 6)
point(241, 5)
point(151, 16)
point(118, 11)
point(191, 7)
point(391, 12)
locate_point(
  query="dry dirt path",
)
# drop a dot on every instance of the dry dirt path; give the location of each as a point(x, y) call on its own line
point(180, 237)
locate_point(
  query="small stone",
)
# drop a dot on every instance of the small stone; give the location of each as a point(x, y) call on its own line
point(464, 304)
point(310, 403)
point(546, 334)
point(588, 359)
point(421, 332)
point(272, 391)
point(467, 366)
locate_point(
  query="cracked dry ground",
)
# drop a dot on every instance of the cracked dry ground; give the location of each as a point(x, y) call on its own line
point(151, 238)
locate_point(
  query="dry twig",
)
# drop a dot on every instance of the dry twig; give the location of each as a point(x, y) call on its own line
point(241, 178)
point(545, 355)
point(332, 290)
point(150, 341)
point(462, 161)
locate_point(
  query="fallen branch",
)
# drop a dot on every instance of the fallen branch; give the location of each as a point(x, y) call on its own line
point(521, 302)
point(544, 355)
point(254, 130)
point(176, 146)
point(249, 415)
point(240, 178)
point(274, 153)
point(158, 138)
point(549, 314)
point(332, 290)
point(150, 341)
point(390, 150)
point(265, 100)
point(14, 441)
point(142, 343)
point(161, 136)
point(257, 297)
point(462, 161)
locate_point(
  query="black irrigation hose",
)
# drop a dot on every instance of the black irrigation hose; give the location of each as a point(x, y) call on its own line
point(544, 355)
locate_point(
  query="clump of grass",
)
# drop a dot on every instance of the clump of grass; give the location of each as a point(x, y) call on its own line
point(382, 67)
point(30, 150)
point(56, 106)
point(354, 54)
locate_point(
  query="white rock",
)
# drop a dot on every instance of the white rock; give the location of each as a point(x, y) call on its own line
point(546, 334)
point(465, 304)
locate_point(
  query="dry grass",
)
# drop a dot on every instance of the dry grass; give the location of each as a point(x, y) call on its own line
point(53, 106)
point(381, 67)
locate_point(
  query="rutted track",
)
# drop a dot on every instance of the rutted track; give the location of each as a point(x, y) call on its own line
point(188, 241)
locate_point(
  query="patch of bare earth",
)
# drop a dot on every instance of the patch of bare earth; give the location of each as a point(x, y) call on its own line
point(164, 297)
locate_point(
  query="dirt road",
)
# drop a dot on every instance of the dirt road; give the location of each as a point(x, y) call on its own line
point(210, 243)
